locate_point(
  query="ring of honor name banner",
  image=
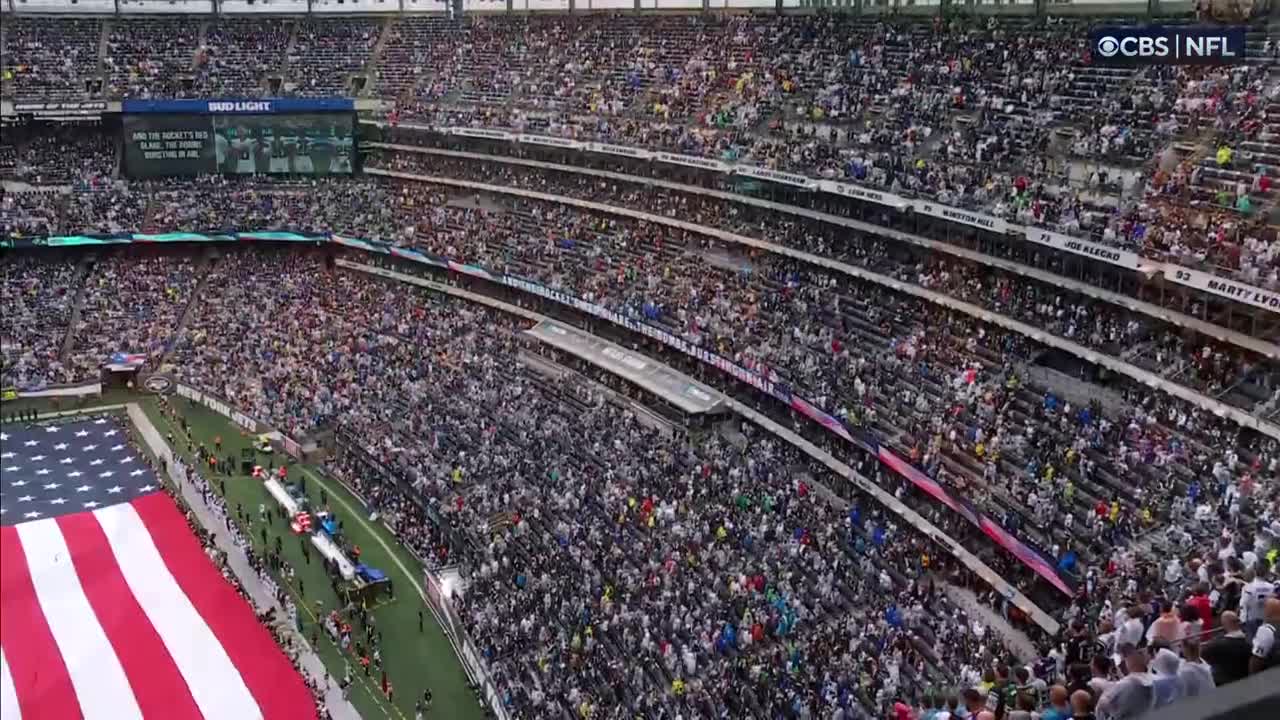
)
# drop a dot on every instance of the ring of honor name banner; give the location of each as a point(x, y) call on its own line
point(276, 137)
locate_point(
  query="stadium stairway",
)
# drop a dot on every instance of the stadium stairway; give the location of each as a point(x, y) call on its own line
point(202, 41)
point(283, 70)
point(68, 340)
point(1014, 639)
point(203, 267)
point(104, 47)
point(369, 71)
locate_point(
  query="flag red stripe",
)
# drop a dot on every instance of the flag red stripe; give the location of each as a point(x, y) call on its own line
point(277, 687)
point(157, 684)
point(40, 676)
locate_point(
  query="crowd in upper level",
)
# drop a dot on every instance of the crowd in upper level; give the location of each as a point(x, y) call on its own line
point(1013, 116)
point(662, 575)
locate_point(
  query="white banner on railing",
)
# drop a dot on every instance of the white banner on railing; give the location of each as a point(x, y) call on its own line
point(618, 150)
point(1238, 291)
point(693, 161)
point(946, 212)
point(1206, 282)
point(785, 178)
point(857, 192)
point(548, 140)
point(1241, 292)
point(481, 133)
point(1058, 241)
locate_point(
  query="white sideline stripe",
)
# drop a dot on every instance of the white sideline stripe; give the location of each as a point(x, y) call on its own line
point(360, 518)
point(215, 684)
point(102, 688)
point(9, 709)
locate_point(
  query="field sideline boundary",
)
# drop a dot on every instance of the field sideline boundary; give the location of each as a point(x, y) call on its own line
point(338, 706)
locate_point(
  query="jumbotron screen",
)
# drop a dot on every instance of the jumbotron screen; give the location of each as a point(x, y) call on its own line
point(293, 144)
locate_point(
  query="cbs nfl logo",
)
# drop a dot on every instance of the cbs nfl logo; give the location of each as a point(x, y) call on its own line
point(1173, 45)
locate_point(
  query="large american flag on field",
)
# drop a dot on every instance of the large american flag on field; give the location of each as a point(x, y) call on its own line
point(109, 606)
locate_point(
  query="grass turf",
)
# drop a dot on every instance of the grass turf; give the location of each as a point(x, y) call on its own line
point(414, 659)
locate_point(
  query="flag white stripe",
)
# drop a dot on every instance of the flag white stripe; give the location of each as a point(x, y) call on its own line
point(215, 684)
point(102, 688)
point(9, 709)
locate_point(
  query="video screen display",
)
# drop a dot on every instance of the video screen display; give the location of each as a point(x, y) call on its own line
point(291, 144)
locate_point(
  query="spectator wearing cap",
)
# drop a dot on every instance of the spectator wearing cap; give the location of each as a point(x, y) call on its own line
point(933, 708)
point(1002, 693)
point(1100, 671)
point(1190, 623)
point(1253, 597)
point(1030, 685)
point(1024, 707)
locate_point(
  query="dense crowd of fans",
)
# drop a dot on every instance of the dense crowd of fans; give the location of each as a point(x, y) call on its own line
point(48, 59)
point(953, 402)
point(1242, 378)
point(131, 306)
point(1194, 234)
point(238, 56)
point(429, 388)
point(1198, 209)
point(30, 214)
point(37, 295)
point(327, 52)
point(525, 470)
point(150, 57)
point(976, 113)
point(82, 156)
point(614, 570)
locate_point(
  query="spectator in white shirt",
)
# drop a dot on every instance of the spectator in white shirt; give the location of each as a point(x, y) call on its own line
point(1253, 598)
point(1131, 696)
point(1130, 633)
point(1264, 641)
point(1196, 675)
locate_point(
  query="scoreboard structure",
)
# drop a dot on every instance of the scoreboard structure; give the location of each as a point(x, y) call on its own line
point(272, 136)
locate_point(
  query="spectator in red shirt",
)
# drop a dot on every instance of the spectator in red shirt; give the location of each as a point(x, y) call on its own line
point(1200, 601)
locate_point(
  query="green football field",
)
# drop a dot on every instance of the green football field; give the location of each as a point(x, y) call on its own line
point(415, 656)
